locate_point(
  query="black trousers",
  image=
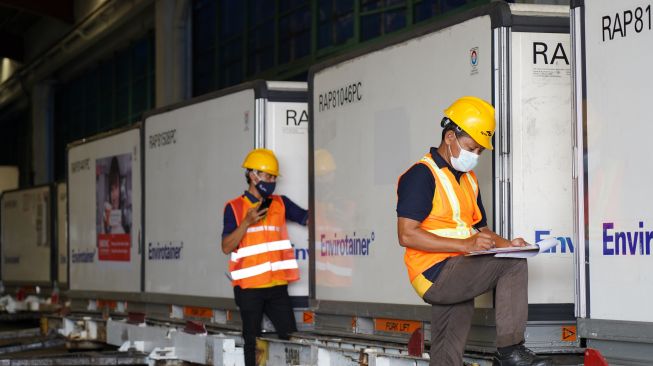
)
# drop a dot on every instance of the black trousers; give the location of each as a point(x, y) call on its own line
point(253, 303)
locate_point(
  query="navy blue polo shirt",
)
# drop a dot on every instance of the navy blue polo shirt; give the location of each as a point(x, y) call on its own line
point(294, 213)
point(415, 198)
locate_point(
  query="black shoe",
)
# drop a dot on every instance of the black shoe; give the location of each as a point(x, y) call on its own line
point(521, 356)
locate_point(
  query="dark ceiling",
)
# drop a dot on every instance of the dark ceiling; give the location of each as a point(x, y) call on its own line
point(17, 16)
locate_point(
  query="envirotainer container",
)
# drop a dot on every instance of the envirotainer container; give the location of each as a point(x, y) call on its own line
point(27, 220)
point(614, 220)
point(105, 215)
point(377, 111)
point(193, 157)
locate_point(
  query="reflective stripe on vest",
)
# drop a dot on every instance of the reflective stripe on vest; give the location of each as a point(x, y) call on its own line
point(257, 229)
point(472, 183)
point(462, 230)
point(452, 233)
point(262, 268)
point(260, 248)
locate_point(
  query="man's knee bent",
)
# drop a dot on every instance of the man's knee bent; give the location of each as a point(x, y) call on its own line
point(515, 265)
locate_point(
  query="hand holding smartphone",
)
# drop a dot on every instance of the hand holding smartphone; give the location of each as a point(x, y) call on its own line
point(264, 205)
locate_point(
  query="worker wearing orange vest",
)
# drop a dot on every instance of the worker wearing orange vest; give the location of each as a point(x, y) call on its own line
point(440, 217)
point(262, 260)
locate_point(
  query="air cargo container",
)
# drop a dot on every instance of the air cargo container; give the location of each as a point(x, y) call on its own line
point(104, 218)
point(377, 110)
point(193, 157)
point(614, 220)
point(8, 180)
point(27, 242)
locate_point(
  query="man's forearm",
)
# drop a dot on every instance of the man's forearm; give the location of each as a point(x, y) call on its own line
point(231, 241)
point(414, 237)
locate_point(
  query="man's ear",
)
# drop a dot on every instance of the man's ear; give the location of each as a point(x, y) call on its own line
point(254, 177)
point(449, 136)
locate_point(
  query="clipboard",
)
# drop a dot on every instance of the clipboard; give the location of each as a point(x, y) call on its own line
point(518, 252)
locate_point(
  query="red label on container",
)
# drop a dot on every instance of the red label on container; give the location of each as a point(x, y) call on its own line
point(197, 312)
point(114, 247)
point(396, 325)
point(109, 304)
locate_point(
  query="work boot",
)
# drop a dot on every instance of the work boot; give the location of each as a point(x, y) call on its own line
point(520, 356)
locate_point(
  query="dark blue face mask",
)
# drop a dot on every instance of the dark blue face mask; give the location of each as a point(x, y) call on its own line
point(265, 189)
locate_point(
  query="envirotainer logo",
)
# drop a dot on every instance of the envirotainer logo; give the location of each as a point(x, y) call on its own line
point(636, 242)
point(83, 256)
point(354, 245)
point(170, 250)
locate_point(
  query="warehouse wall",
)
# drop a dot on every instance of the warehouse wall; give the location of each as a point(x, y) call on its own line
point(119, 59)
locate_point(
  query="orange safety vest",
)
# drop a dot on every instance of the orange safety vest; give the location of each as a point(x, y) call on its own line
point(265, 254)
point(455, 211)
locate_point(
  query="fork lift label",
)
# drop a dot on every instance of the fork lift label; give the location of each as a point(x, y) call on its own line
point(197, 312)
point(396, 325)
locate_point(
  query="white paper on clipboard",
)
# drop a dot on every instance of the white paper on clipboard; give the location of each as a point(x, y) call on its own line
point(519, 252)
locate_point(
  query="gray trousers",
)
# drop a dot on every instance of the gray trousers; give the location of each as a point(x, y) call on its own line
point(452, 299)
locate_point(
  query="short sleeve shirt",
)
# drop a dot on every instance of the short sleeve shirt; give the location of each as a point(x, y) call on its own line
point(416, 189)
point(294, 213)
point(415, 198)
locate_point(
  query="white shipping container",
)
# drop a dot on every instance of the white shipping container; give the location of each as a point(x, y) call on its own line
point(104, 214)
point(377, 111)
point(539, 161)
point(614, 220)
point(193, 157)
point(396, 96)
point(286, 133)
point(26, 216)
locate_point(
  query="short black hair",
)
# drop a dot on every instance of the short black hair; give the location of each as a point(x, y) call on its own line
point(449, 125)
point(249, 180)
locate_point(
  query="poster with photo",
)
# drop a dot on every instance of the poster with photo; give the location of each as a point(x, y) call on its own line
point(114, 207)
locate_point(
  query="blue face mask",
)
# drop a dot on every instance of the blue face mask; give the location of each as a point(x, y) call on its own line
point(265, 189)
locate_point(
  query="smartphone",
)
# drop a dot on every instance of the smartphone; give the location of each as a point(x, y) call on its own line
point(264, 205)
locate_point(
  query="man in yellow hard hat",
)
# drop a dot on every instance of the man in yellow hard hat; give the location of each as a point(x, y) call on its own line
point(440, 218)
point(262, 259)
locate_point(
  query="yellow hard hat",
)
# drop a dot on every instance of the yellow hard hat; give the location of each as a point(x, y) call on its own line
point(474, 116)
point(324, 162)
point(262, 160)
